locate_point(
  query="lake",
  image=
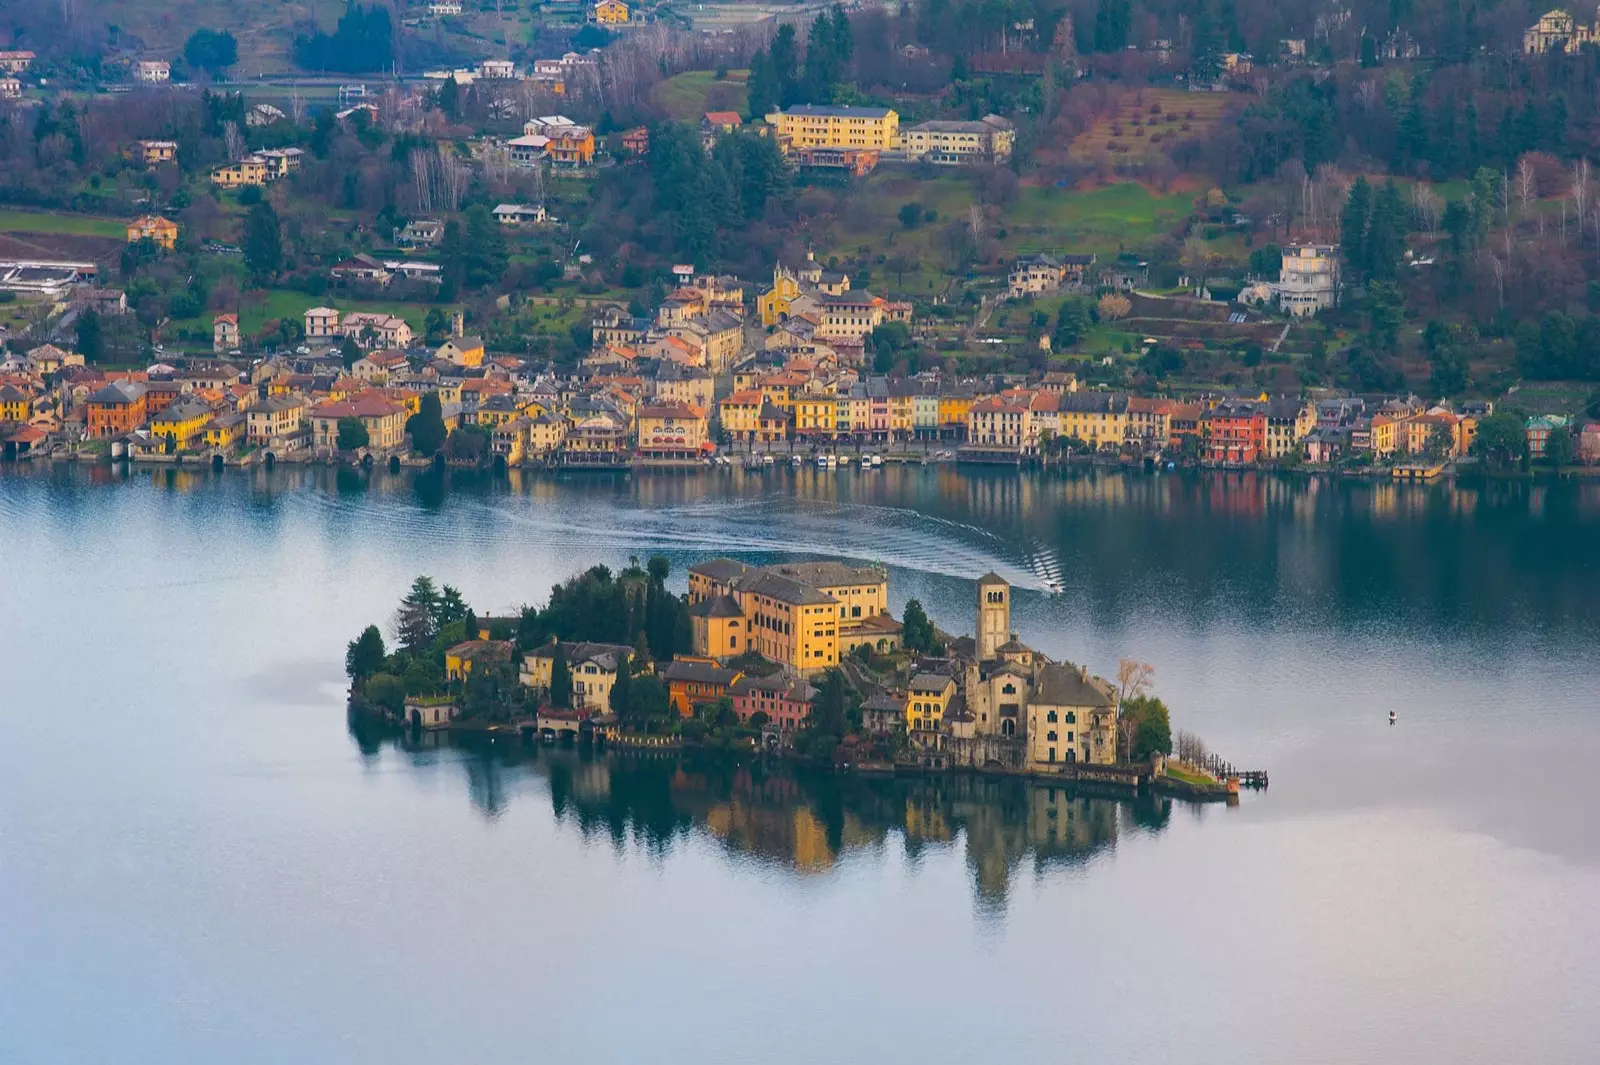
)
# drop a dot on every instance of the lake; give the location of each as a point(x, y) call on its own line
point(201, 859)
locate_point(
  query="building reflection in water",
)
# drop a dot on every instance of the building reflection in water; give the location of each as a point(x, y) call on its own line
point(802, 821)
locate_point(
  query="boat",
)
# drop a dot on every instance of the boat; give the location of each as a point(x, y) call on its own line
point(796, 460)
point(876, 461)
point(766, 460)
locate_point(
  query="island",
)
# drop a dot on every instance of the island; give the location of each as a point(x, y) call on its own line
point(798, 660)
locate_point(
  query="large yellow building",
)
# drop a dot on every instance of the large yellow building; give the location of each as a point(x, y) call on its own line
point(792, 613)
point(609, 13)
point(816, 126)
point(250, 171)
point(154, 227)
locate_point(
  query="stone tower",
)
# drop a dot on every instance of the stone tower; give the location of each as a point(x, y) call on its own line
point(994, 614)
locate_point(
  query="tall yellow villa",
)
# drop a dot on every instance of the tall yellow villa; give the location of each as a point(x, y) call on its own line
point(815, 126)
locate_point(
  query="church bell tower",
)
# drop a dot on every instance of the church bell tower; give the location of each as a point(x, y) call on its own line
point(994, 614)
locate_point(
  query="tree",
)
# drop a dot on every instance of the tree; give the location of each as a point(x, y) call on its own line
point(1558, 448)
point(1353, 225)
point(650, 698)
point(1150, 727)
point(387, 691)
point(828, 710)
point(910, 215)
point(1196, 258)
point(560, 679)
point(783, 55)
point(486, 257)
point(211, 50)
point(1133, 679)
point(916, 630)
point(365, 655)
point(263, 242)
point(416, 622)
point(427, 425)
point(1072, 321)
point(452, 607)
point(91, 335)
point(621, 698)
point(349, 351)
point(1501, 441)
point(659, 567)
point(1114, 305)
point(352, 434)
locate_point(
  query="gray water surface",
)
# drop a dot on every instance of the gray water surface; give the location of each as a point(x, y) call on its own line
point(199, 861)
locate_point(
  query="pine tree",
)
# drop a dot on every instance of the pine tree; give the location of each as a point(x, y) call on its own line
point(620, 700)
point(365, 655)
point(1353, 225)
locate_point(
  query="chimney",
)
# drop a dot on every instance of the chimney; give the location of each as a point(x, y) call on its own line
point(1083, 673)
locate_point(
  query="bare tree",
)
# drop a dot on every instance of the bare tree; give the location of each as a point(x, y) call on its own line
point(233, 140)
point(453, 179)
point(975, 222)
point(1426, 205)
point(297, 106)
point(1580, 190)
point(1133, 679)
point(422, 179)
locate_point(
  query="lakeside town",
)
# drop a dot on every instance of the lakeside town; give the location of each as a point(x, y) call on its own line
point(639, 238)
point(801, 659)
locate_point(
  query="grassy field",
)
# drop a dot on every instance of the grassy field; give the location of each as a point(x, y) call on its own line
point(75, 225)
point(691, 94)
point(1149, 118)
point(1105, 221)
point(286, 303)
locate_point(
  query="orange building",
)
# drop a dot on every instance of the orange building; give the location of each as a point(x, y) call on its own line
point(117, 409)
point(695, 682)
point(163, 231)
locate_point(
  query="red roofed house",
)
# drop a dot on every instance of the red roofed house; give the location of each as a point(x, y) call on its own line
point(384, 421)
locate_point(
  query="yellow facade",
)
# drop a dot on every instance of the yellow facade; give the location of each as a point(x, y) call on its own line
point(163, 231)
point(184, 423)
point(609, 13)
point(773, 304)
point(953, 409)
point(739, 413)
point(237, 175)
point(815, 415)
point(225, 432)
point(1095, 427)
point(927, 700)
point(811, 126)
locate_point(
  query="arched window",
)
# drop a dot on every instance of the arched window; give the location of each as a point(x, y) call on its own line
point(1009, 689)
point(1072, 718)
point(1051, 717)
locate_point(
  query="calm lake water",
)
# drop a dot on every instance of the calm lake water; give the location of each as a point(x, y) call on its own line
point(200, 861)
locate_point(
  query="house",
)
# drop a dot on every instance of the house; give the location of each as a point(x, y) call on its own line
point(500, 69)
point(857, 162)
point(463, 351)
point(280, 162)
point(528, 150)
point(384, 421)
point(117, 409)
point(10, 89)
point(370, 330)
point(152, 71)
point(518, 214)
point(689, 385)
point(183, 423)
point(1589, 444)
point(1033, 274)
point(322, 323)
point(818, 126)
point(225, 430)
point(784, 700)
point(430, 712)
point(421, 233)
point(249, 171)
point(274, 419)
point(154, 153)
point(224, 333)
point(441, 8)
point(927, 697)
point(263, 115)
point(636, 142)
point(361, 268)
point(571, 146)
point(1308, 280)
point(1234, 432)
point(1539, 430)
point(883, 714)
point(673, 431)
point(16, 62)
point(850, 315)
point(947, 143)
point(1072, 717)
point(1557, 31)
point(154, 227)
point(714, 124)
point(546, 434)
point(463, 658)
point(694, 682)
point(381, 367)
point(608, 13)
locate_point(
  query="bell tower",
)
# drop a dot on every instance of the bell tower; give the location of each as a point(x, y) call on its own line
point(994, 614)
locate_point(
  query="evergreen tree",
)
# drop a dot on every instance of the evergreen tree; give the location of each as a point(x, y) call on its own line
point(620, 699)
point(829, 708)
point(452, 607)
point(427, 425)
point(365, 655)
point(263, 242)
point(1353, 225)
point(1386, 233)
point(762, 87)
point(1111, 25)
point(91, 335)
point(916, 629)
point(349, 351)
point(485, 254)
point(783, 54)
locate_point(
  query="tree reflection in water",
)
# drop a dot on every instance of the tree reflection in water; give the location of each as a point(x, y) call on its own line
point(801, 820)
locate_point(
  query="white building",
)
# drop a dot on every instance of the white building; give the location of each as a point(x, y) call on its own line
point(153, 71)
point(497, 68)
point(516, 214)
point(1308, 281)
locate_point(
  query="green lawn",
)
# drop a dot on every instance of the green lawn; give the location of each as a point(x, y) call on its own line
point(76, 225)
point(1104, 221)
point(1178, 772)
point(683, 96)
point(286, 303)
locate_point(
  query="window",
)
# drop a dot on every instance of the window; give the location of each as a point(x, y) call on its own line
point(1072, 718)
point(1051, 717)
point(1051, 736)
